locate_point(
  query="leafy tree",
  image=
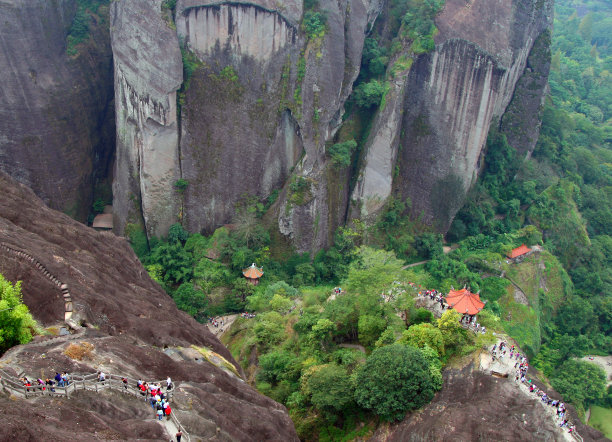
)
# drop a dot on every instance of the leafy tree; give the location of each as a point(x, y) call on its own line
point(314, 24)
point(370, 327)
point(341, 153)
point(386, 338)
point(190, 300)
point(177, 234)
point(280, 304)
point(580, 382)
point(452, 332)
point(369, 94)
point(329, 387)
point(422, 315)
point(422, 335)
point(373, 271)
point(429, 245)
point(176, 262)
point(269, 330)
point(321, 334)
point(276, 366)
point(16, 322)
point(395, 379)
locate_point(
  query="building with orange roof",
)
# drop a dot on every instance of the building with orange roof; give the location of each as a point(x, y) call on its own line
point(519, 252)
point(464, 301)
point(253, 273)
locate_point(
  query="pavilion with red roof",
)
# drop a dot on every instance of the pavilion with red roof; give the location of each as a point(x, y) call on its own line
point(464, 301)
point(519, 252)
point(253, 273)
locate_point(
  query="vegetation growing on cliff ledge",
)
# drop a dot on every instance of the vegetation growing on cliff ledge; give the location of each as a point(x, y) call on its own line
point(80, 28)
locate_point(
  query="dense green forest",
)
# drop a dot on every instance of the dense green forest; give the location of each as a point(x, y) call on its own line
point(310, 347)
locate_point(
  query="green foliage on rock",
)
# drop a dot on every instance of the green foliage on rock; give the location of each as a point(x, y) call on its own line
point(79, 29)
point(394, 380)
point(16, 323)
point(341, 153)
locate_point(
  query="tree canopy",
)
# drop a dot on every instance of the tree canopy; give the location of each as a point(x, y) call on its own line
point(395, 379)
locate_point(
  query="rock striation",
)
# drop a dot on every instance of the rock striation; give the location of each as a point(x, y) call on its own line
point(56, 113)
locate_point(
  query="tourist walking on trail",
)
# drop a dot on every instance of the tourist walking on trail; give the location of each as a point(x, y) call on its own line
point(178, 435)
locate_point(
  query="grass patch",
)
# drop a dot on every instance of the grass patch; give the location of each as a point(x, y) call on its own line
point(601, 419)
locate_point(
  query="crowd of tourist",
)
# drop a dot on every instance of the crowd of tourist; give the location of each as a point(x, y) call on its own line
point(521, 365)
point(247, 315)
point(156, 397)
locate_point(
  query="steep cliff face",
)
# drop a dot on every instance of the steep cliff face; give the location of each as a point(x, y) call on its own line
point(238, 139)
point(148, 72)
point(56, 114)
point(309, 216)
point(451, 98)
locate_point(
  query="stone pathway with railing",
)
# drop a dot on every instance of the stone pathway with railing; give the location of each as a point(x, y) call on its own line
point(89, 382)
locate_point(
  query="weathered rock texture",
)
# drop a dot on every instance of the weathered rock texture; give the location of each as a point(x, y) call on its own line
point(138, 332)
point(148, 72)
point(452, 96)
point(56, 114)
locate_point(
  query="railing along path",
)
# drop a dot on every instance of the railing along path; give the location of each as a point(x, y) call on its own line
point(88, 382)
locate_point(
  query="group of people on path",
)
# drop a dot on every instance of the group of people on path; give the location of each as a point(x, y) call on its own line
point(62, 380)
point(521, 365)
point(156, 397)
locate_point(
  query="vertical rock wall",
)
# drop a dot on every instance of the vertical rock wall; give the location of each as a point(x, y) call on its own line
point(452, 96)
point(238, 138)
point(148, 72)
point(56, 114)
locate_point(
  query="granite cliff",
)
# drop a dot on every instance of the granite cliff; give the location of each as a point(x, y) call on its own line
point(57, 131)
point(264, 97)
point(241, 100)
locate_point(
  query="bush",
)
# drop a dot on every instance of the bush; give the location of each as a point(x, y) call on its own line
point(341, 153)
point(395, 379)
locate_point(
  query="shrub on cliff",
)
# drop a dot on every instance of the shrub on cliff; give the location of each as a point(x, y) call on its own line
point(16, 322)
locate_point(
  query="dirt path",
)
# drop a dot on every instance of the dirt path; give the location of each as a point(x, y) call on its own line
point(228, 320)
point(361, 348)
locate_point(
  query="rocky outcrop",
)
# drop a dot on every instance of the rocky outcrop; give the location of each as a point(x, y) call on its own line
point(452, 96)
point(57, 121)
point(133, 327)
point(477, 406)
point(148, 72)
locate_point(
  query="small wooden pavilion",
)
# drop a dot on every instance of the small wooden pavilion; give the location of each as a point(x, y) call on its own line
point(464, 301)
point(253, 273)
